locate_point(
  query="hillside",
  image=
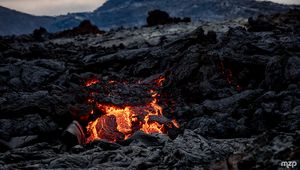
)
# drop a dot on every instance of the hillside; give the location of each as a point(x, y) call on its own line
point(14, 22)
point(133, 12)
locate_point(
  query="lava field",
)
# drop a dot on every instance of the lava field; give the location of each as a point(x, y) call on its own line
point(178, 96)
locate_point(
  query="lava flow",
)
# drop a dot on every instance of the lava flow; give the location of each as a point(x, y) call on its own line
point(119, 123)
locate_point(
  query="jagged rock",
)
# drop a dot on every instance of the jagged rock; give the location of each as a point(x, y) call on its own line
point(31, 74)
point(186, 67)
point(35, 76)
point(27, 126)
point(120, 57)
point(16, 142)
point(158, 17)
point(85, 27)
point(141, 139)
point(40, 34)
point(279, 21)
point(227, 105)
point(292, 70)
point(70, 161)
point(77, 149)
point(4, 146)
point(197, 149)
point(219, 125)
point(280, 145)
point(3, 46)
point(275, 78)
point(25, 102)
point(260, 24)
point(103, 145)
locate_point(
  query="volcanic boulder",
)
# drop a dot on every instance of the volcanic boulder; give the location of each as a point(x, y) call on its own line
point(275, 22)
point(85, 27)
point(40, 34)
point(158, 17)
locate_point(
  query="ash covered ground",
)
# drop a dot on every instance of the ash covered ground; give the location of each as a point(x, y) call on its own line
point(232, 86)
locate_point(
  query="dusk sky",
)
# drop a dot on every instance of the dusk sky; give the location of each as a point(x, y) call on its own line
point(52, 7)
point(57, 7)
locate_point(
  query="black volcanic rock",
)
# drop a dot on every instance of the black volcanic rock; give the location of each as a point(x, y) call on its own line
point(157, 17)
point(40, 34)
point(234, 92)
point(276, 22)
point(85, 27)
point(3, 46)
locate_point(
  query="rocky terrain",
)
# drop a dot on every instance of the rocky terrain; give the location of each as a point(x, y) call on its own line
point(233, 88)
point(130, 13)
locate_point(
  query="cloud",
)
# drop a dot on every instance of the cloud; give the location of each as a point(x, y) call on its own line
point(57, 7)
point(52, 7)
point(284, 1)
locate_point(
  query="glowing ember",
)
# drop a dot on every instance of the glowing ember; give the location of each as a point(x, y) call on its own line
point(175, 123)
point(119, 123)
point(227, 73)
point(112, 81)
point(91, 82)
point(124, 117)
point(160, 81)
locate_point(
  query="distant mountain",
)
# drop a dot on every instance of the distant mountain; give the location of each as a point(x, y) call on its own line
point(116, 13)
point(14, 22)
point(133, 12)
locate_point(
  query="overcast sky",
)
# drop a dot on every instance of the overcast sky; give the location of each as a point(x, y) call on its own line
point(52, 7)
point(286, 1)
point(57, 7)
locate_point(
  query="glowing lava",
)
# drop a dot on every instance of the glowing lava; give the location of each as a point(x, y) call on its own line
point(91, 82)
point(119, 123)
point(159, 82)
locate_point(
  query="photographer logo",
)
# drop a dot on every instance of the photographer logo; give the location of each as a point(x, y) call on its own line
point(289, 164)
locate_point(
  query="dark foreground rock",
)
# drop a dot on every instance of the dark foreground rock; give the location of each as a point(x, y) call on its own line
point(158, 17)
point(235, 94)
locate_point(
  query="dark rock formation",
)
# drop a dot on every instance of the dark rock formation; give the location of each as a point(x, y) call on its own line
point(40, 34)
point(157, 17)
point(276, 22)
point(85, 27)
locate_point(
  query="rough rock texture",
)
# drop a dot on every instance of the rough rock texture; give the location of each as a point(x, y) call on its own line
point(234, 89)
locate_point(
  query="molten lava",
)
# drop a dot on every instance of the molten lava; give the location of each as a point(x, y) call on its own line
point(91, 82)
point(119, 123)
point(228, 75)
point(159, 82)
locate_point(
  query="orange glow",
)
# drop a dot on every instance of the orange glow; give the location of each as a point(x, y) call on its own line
point(175, 123)
point(112, 81)
point(119, 123)
point(124, 117)
point(91, 82)
point(159, 82)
